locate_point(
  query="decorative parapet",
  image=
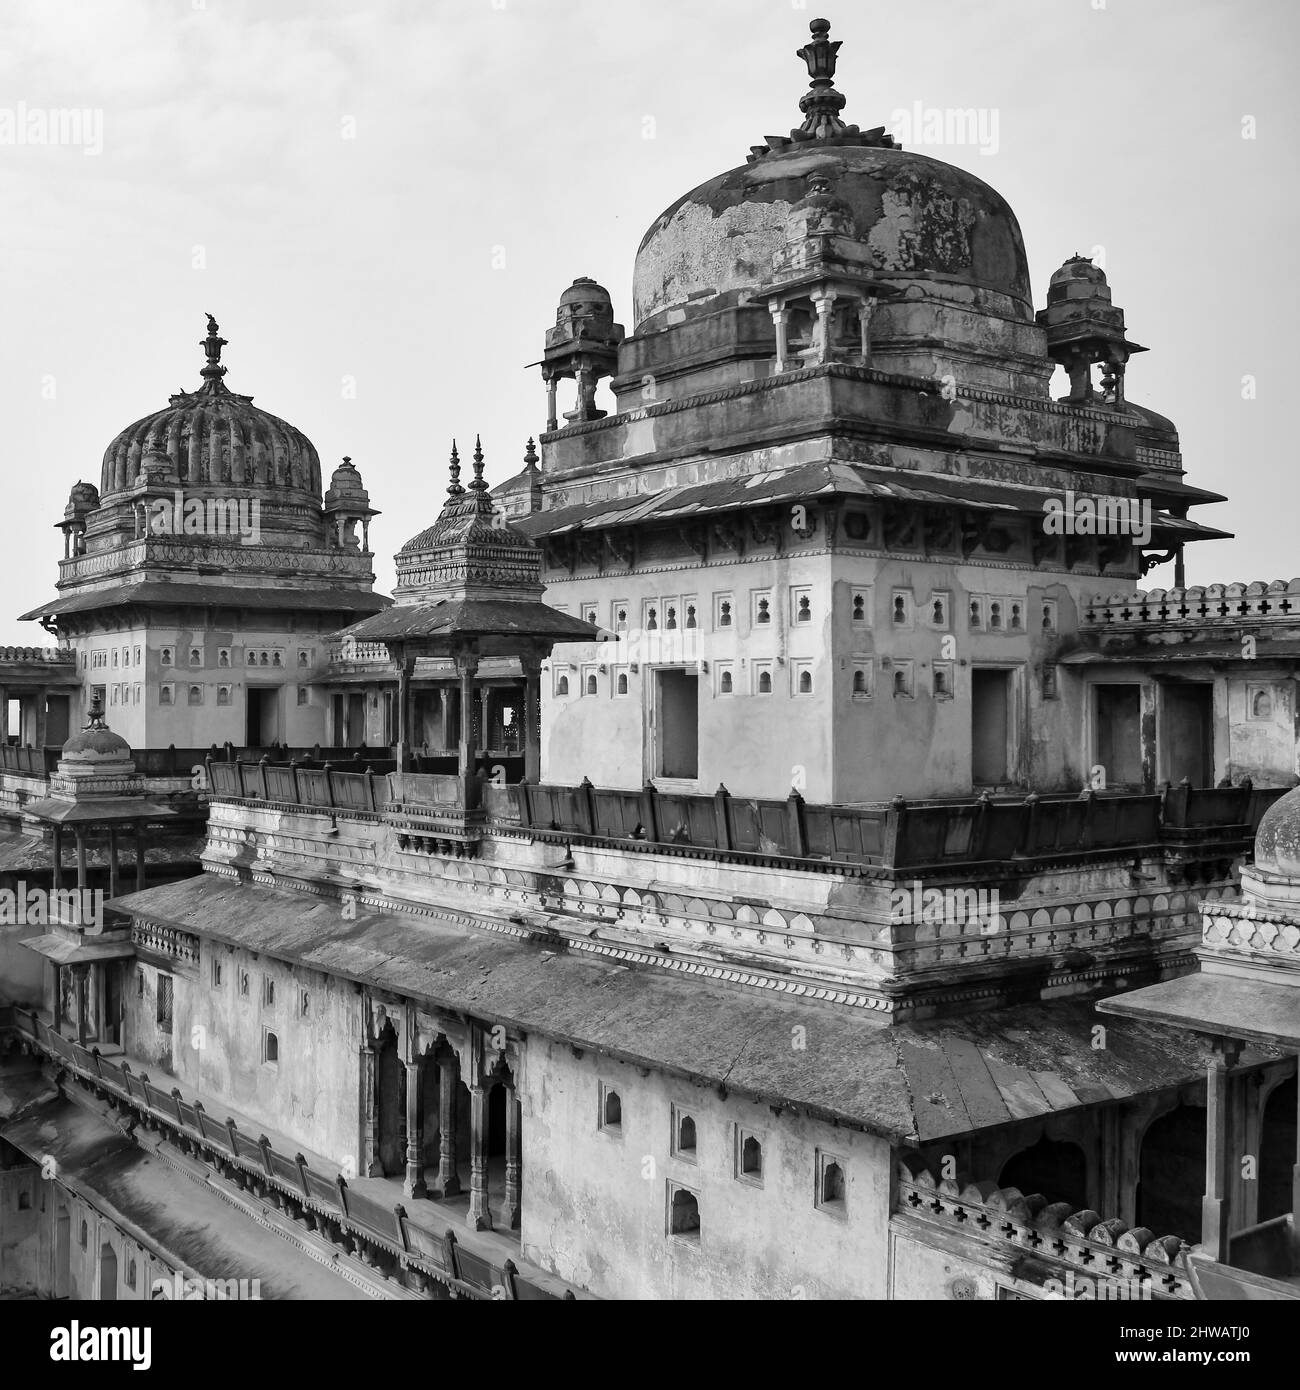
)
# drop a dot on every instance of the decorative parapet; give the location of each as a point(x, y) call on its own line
point(165, 941)
point(1243, 929)
point(51, 656)
point(348, 651)
point(1077, 1239)
point(186, 552)
point(1226, 604)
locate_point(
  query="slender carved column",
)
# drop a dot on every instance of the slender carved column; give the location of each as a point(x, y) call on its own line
point(552, 419)
point(779, 323)
point(414, 1185)
point(824, 302)
point(532, 733)
point(480, 1212)
point(865, 310)
point(112, 862)
point(514, 1161)
point(370, 1164)
point(1215, 1205)
point(81, 860)
point(448, 1180)
point(56, 849)
point(139, 858)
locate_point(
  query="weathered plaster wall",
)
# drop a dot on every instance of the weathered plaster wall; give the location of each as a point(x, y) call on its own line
point(596, 1206)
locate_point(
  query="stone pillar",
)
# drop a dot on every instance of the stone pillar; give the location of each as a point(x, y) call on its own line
point(4, 714)
point(448, 1179)
point(466, 669)
point(824, 301)
point(1295, 1170)
point(414, 1185)
point(78, 1002)
point(484, 739)
point(42, 699)
point(112, 862)
point(480, 1213)
point(552, 419)
point(1215, 1205)
point(532, 732)
point(56, 849)
point(139, 858)
point(779, 323)
point(365, 534)
point(370, 1166)
point(514, 1161)
point(865, 311)
point(405, 731)
point(81, 859)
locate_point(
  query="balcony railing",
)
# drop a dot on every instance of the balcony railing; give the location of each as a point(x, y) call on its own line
point(50, 656)
point(261, 1167)
point(1225, 604)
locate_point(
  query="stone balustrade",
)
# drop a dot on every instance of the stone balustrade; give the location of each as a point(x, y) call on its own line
point(1228, 604)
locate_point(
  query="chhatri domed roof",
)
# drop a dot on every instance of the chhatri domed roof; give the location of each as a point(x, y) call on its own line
point(1277, 841)
point(468, 520)
point(215, 438)
point(919, 217)
point(96, 742)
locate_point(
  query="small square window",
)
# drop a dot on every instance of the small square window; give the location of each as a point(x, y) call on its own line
point(268, 990)
point(832, 1181)
point(223, 694)
point(900, 608)
point(801, 613)
point(1015, 611)
point(864, 678)
point(304, 1003)
point(651, 614)
point(114, 656)
point(943, 680)
point(1050, 687)
point(165, 656)
point(1259, 702)
point(1048, 616)
point(139, 691)
point(137, 656)
point(901, 679)
point(610, 1119)
point(690, 612)
point(561, 678)
point(749, 1156)
point(270, 1048)
point(619, 685)
point(997, 615)
point(619, 615)
point(304, 657)
point(724, 611)
point(196, 695)
point(976, 613)
point(590, 681)
point(196, 657)
point(139, 982)
point(304, 695)
point(164, 1014)
point(24, 1201)
point(589, 614)
point(761, 676)
point(243, 983)
point(216, 972)
point(862, 606)
point(938, 612)
point(724, 676)
point(683, 1212)
point(760, 614)
point(801, 678)
point(166, 694)
point(683, 1139)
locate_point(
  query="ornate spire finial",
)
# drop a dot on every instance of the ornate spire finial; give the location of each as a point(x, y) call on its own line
point(822, 104)
point(478, 485)
point(212, 346)
point(94, 715)
point(530, 455)
point(455, 489)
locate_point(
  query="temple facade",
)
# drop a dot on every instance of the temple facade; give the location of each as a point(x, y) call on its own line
point(702, 880)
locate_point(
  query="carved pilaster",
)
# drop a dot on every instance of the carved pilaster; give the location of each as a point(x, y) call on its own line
point(480, 1212)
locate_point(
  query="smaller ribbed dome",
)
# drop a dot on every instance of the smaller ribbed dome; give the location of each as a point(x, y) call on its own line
point(96, 742)
point(83, 498)
point(585, 290)
point(346, 485)
point(1277, 841)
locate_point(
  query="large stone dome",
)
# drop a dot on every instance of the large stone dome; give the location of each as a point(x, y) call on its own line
point(215, 438)
point(1277, 841)
point(921, 218)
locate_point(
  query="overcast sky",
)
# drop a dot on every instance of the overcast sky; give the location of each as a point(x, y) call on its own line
point(382, 203)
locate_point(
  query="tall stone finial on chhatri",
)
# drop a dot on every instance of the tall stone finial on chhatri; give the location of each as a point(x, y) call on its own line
point(212, 346)
point(95, 716)
point(479, 484)
point(455, 489)
point(530, 455)
point(821, 104)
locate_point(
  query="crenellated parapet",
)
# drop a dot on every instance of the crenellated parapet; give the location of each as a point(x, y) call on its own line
point(1059, 1234)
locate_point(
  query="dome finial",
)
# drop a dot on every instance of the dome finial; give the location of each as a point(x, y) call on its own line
point(821, 105)
point(212, 346)
point(455, 489)
point(94, 715)
point(478, 485)
point(530, 455)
